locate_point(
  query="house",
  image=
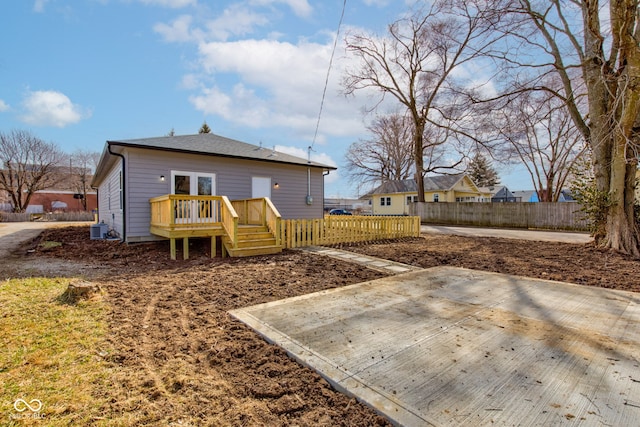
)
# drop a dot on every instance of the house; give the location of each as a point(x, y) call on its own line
point(61, 201)
point(394, 197)
point(528, 196)
point(531, 196)
point(66, 190)
point(131, 172)
point(503, 195)
point(566, 196)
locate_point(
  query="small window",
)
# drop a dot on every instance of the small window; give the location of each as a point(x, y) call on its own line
point(388, 201)
point(412, 199)
point(436, 197)
point(385, 201)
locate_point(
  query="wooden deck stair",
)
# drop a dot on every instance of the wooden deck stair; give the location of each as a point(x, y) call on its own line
point(252, 240)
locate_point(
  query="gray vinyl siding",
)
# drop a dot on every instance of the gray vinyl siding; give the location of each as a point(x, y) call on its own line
point(109, 202)
point(233, 179)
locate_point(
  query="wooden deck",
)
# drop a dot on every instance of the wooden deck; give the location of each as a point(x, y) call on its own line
point(245, 227)
point(254, 226)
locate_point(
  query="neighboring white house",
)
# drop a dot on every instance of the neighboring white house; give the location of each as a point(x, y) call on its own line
point(130, 172)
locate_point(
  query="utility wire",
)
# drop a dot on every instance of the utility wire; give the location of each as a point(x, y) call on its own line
point(326, 81)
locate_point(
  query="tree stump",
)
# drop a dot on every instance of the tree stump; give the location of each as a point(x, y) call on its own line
point(79, 291)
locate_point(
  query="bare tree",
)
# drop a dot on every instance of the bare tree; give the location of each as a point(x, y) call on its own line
point(416, 64)
point(82, 165)
point(386, 155)
point(543, 138)
point(601, 46)
point(28, 165)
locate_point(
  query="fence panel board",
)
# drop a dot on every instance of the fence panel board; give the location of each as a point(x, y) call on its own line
point(346, 229)
point(552, 216)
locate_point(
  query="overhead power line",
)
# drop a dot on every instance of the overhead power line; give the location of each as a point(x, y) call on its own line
point(326, 81)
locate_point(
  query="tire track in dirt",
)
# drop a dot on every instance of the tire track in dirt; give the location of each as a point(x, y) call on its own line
point(146, 358)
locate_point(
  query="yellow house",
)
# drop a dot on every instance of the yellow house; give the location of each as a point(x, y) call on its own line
point(394, 197)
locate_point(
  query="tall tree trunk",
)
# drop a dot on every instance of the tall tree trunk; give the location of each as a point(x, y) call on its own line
point(418, 154)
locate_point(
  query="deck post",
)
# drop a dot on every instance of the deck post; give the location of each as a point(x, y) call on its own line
point(214, 249)
point(185, 248)
point(172, 247)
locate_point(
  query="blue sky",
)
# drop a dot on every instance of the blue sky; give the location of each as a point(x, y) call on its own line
point(80, 73)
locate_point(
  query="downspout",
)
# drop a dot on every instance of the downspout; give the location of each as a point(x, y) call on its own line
point(324, 173)
point(309, 199)
point(124, 199)
point(97, 213)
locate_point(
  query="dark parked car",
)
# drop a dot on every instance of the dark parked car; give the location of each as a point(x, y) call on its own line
point(339, 212)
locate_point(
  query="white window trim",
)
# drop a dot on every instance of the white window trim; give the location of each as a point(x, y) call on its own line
point(193, 182)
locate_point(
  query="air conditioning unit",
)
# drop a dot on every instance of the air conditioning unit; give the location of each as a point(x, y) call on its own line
point(99, 231)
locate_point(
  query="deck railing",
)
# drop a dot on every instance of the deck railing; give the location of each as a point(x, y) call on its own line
point(183, 211)
point(347, 229)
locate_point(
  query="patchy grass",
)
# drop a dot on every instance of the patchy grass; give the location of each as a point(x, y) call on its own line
point(52, 352)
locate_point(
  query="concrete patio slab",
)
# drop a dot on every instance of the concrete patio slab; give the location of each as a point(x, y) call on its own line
point(450, 346)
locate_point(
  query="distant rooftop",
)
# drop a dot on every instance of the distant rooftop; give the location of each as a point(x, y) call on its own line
point(431, 183)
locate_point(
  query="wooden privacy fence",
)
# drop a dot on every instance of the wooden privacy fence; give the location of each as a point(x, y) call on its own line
point(347, 229)
point(552, 216)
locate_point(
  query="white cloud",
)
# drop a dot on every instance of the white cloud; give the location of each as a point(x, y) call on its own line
point(236, 20)
point(190, 82)
point(51, 108)
point(318, 157)
point(323, 158)
point(38, 6)
point(281, 85)
point(301, 8)
point(379, 3)
point(178, 31)
point(3, 106)
point(174, 4)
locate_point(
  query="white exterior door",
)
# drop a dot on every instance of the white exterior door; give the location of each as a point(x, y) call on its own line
point(260, 187)
point(194, 184)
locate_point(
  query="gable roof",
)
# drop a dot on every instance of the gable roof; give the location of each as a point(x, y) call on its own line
point(503, 193)
point(212, 144)
point(431, 183)
point(208, 144)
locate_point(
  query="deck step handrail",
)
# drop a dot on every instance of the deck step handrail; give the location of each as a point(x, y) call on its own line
point(259, 211)
point(230, 220)
point(273, 220)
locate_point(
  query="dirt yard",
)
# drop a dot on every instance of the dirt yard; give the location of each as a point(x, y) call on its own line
point(179, 359)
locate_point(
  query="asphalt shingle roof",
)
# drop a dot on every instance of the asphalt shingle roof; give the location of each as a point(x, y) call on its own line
point(212, 144)
point(431, 183)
